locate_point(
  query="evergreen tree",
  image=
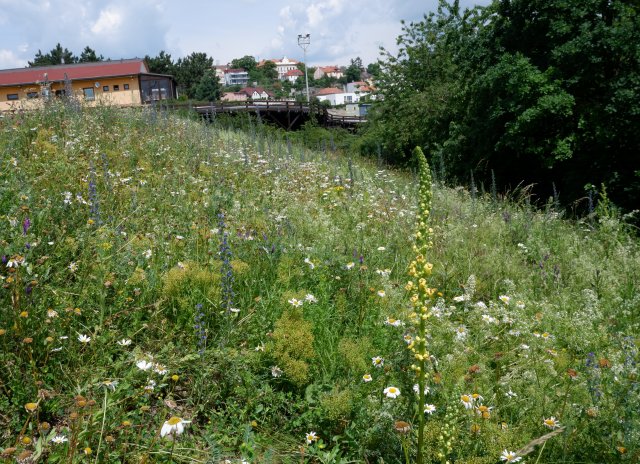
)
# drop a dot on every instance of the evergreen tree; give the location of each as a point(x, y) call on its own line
point(57, 55)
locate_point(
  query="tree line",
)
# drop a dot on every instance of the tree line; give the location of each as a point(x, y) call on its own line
point(542, 92)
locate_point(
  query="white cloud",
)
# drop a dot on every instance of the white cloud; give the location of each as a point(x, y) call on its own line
point(9, 60)
point(108, 22)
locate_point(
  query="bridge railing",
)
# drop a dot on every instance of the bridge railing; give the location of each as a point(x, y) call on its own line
point(272, 106)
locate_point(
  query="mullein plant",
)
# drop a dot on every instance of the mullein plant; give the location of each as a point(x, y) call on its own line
point(421, 295)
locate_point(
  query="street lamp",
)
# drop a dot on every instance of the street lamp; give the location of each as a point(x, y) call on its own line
point(303, 42)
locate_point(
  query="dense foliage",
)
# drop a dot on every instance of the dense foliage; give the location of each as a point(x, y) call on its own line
point(178, 292)
point(533, 91)
point(59, 55)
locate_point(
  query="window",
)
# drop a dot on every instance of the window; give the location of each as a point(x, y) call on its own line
point(126, 86)
point(12, 97)
point(348, 98)
point(155, 94)
point(32, 94)
point(60, 93)
point(163, 93)
point(105, 88)
point(89, 94)
point(116, 88)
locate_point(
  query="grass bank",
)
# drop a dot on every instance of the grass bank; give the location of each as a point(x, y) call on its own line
point(176, 292)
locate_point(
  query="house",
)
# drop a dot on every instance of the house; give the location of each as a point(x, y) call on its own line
point(336, 96)
point(219, 70)
point(236, 77)
point(248, 93)
point(330, 71)
point(358, 86)
point(283, 66)
point(117, 82)
point(293, 75)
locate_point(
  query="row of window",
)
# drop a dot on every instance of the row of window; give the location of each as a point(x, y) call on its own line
point(88, 92)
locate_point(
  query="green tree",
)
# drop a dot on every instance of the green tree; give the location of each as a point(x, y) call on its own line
point(88, 55)
point(208, 89)
point(247, 62)
point(57, 55)
point(354, 70)
point(190, 70)
point(161, 64)
point(545, 92)
point(374, 69)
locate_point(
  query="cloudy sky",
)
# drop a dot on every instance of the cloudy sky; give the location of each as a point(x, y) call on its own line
point(340, 29)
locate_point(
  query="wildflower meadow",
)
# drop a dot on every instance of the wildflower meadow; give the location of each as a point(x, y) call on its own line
point(181, 291)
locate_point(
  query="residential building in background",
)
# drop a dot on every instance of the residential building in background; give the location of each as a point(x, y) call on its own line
point(329, 71)
point(219, 71)
point(117, 82)
point(248, 93)
point(283, 66)
point(293, 75)
point(236, 77)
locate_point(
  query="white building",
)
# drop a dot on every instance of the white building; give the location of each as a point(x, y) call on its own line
point(236, 77)
point(337, 96)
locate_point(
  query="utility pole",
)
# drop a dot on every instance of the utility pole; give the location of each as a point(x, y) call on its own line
point(303, 42)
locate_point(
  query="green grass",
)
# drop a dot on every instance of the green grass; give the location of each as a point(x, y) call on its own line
point(248, 273)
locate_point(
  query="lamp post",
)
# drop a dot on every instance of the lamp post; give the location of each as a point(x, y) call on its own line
point(303, 42)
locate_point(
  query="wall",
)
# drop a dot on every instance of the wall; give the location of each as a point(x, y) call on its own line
point(121, 97)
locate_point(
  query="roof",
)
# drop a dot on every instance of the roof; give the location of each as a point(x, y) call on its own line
point(330, 69)
point(235, 71)
point(294, 72)
point(250, 90)
point(329, 91)
point(78, 71)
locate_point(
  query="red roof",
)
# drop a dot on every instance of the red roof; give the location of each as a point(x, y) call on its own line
point(329, 91)
point(100, 69)
point(331, 69)
point(294, 72)
point(234, 71)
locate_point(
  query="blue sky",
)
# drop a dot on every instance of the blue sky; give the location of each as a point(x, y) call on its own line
point(340, 29)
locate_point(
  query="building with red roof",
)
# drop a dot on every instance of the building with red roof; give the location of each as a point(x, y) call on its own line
point(117, 82)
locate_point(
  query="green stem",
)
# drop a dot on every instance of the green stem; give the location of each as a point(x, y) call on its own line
point(104, 418)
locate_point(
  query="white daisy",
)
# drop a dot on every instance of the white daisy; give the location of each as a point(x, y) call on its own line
point(84, 339)
point(124, 342)
point(311, 437)
point(144, 365)
point(392, 392)
point(174, 426)
point(429, 408)
point(509, 456)
point(59, 439)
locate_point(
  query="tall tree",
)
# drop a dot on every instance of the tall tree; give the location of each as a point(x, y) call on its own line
point(57, 55)
point(208, 88)
point(161, 64)
point(190, 70)
point(88, 55)
point(545, 92)
point(354, 70)
point(247, 62)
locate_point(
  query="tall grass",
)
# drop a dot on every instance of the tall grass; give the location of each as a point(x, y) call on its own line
point(173, 291)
